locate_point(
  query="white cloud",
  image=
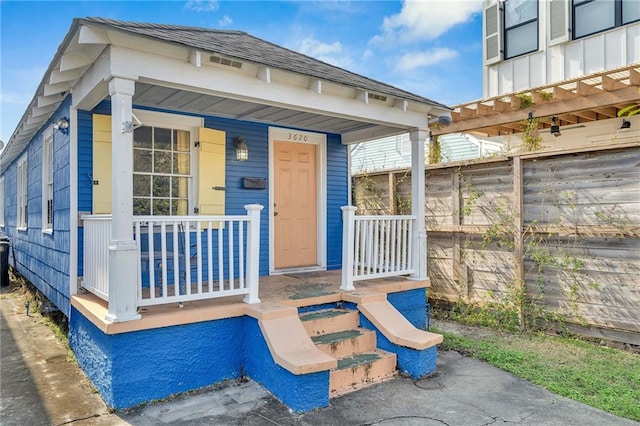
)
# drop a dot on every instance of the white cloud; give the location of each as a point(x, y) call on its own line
point(411, 61)
point(332, 53)
point(226, 20)
point(426, 19)
point(315, 48)
point(202, 5)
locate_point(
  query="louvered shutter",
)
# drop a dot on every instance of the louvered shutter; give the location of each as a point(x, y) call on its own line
point(211, 172)
point(559, 22)
point(493, 28)
point(101, 164)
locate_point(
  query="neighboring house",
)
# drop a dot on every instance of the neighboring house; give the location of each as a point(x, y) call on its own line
point(165, 178)
point(394, 152)
point(570, 64)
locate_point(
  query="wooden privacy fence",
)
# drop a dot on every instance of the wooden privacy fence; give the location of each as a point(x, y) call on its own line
point(554, 235)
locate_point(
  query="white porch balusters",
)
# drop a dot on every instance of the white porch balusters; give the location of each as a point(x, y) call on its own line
point(348, 239)
point(122, 248)
point(419, 241)
point(253, 253)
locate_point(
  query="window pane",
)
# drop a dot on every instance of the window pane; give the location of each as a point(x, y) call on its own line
point(179, 187)
point(630, 11)
point(521, 40)
point(142, 137)
point(161, 207)
point(181, 164)
point(519, 11)
point(162, 162)
point(162, 138)
point(141, 185)
point(594, 17)
point(161, 186)
point(142, 160)
point(181, 140)
point(179, 207)
point(141, 206)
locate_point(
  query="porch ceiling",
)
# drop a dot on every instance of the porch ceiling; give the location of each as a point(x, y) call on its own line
point(182, 100)
point(574, 102)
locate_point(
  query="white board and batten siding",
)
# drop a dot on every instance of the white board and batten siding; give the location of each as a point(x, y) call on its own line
point(558, 58)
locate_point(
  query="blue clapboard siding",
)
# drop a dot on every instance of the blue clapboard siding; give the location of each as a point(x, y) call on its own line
point(43, 258)
point(337, 196)
point(256, 136)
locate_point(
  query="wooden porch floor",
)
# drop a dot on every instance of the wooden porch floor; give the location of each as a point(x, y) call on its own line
point(291, 289)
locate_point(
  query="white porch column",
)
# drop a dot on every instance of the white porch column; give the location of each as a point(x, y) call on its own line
point(348, 240)
point(253, 253)
point(419, 243)
point(122, 249)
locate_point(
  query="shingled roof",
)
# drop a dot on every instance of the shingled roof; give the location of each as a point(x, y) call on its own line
point(244, 46)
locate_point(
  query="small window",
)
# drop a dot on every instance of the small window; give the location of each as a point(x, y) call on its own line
point(2, 202)
point(21, 186)
point(47, 180)
point(520, 27)
point(161, 171)
point(594, 16)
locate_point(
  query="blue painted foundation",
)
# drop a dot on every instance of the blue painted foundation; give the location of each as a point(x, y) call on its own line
point(299, 392)
point(128, 369)
point(415, 363)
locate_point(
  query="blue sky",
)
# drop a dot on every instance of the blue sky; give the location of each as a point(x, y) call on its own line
point(429, 47)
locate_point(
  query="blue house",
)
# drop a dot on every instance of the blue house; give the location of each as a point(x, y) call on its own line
point(182, 195)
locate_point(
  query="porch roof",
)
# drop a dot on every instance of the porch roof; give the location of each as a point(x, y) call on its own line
point(221, 73)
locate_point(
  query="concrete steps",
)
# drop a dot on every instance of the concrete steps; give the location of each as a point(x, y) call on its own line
point(336, 333)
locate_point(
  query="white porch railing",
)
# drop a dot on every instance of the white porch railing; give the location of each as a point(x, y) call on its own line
point(97, 234)
point(375, 247)
point(181, 258)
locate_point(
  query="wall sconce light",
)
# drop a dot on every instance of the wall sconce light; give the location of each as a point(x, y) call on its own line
point(62, 125)
point(242, 150)
point(555, 128)
point(626, 124)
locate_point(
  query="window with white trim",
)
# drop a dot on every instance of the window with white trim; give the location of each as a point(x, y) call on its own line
point(161, 171)
point(2, 202)
point(21, 191)
point(594, 16)
point(520, 27)
point(47, 180)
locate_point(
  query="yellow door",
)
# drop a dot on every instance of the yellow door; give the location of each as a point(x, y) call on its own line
point(296, 205)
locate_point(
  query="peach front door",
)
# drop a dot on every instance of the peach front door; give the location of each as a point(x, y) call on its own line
point(295, 205)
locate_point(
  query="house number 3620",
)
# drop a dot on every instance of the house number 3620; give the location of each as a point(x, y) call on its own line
point(298, 137)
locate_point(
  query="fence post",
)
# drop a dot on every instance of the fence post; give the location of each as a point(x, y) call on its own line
point(348, 245)
point(253, 253)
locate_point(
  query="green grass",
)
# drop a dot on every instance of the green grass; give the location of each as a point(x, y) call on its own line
point(602, 377)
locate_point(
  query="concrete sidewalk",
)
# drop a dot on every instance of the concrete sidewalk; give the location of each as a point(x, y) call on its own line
point(40, 386)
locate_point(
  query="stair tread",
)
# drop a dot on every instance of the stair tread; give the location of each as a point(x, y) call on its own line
point(340, 335)
point(362, 359)
point(324, 313)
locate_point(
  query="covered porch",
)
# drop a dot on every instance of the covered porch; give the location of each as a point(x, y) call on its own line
point(206, 259)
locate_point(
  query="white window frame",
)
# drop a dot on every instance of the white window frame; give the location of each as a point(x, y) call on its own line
point(508, 29)
point(47, 180)
point(22, 181)
point(178, 122)
point(619, 20)
point(2, 202)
